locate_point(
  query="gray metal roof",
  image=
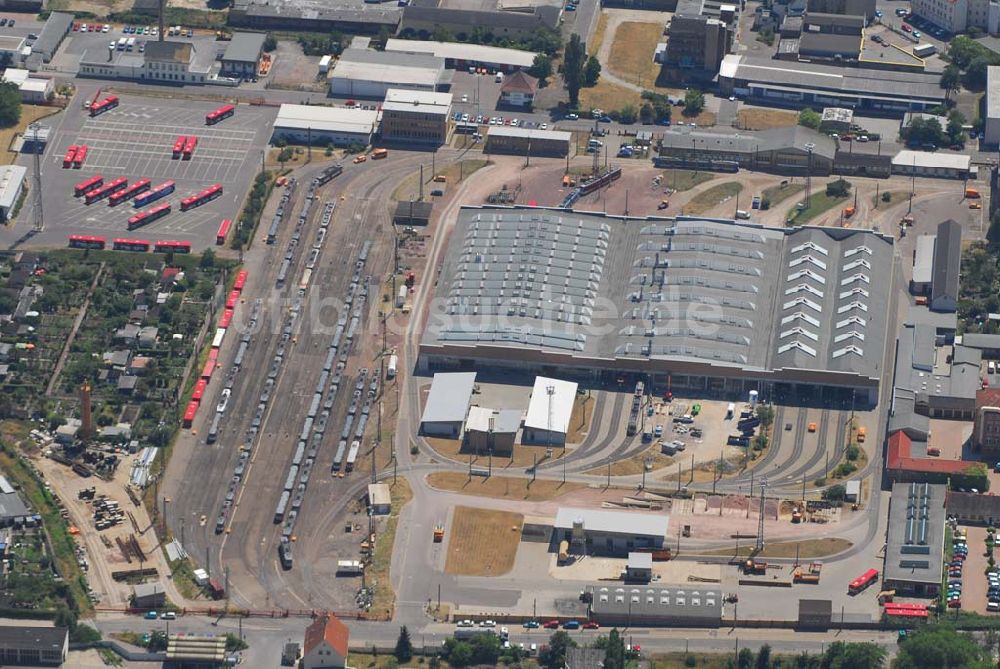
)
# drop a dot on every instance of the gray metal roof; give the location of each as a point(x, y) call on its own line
point(55, 29)
point(848, 46)
point(859, 81)
point(597, 288)
point(904, 415)
point(448, 401)
point(993, 91)
point(915, 547)
point(695, 600)
point(923, 260)
point(33, 637)
point(629, 523)
point(981, 341)
point(541, 17)
point(12, 506)
point(244, 47)
point(926, 370)
point(947, 261)
point(748, 142)
point(825, 20)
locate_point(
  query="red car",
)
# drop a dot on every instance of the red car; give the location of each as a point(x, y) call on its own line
point(591, 625)
point(907, 28)
point(551, 625)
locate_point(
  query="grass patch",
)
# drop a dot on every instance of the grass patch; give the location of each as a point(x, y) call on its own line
point(682, 660)
point(636, 463)
point(483, 543)
point(895, 197)
point(819, 203)
point(778, 194)
point(682, 180)
point(712, 197)
point(765, 119)
point(631, 53)
point(501, 487)
point(29, 114)
point(608, 96)
point(602, 26)
point(182, 574)
point(807, 549)
point(378, 571)
point(454, 173)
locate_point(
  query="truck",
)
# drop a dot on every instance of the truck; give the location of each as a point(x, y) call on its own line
point(390, 373)
point(349, 567)
point(324, 64)
point(756, 567)
point(563, 551)
point(924, 50)
point(438, 533)
point(130, 44)
point(730, 410)
point(401, 296)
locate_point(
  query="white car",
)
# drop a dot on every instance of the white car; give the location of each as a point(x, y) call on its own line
point(465, 98)
point(224, 400)
point(544, 126)
point(465, 118)
point(465, 623)
point(168, 615)
point(488, 623)
point(106, 28)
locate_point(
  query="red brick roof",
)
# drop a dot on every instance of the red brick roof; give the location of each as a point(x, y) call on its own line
point(899, 459)
point(519, 82)
point(327, 627)
point(988, 397)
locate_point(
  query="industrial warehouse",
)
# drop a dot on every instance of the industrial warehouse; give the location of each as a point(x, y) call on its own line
point(818, 327)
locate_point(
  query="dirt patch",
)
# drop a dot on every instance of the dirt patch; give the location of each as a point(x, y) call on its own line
point(29, 114)
point(579, 422)
point(454, 173)
point(712, 197)
point(606, 95)
point(807, 549)
point(598, 39)
point(765, 119)
point(501, 487)
point(778, 194)
point(483, 543)
point(682, 180)
point(378, 571)
point(632, 52)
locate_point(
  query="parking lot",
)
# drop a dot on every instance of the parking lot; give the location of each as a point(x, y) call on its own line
point(135, 140)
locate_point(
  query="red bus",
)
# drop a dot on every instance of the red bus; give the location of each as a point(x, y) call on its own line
point(128, 193)
point(863, 581)
point(223, 231)
point(902, 611)
point(86, 242)
point(148, 216)
point(226, 319)
point(241, 280)
point(87, 185)
point(213, 354)
point(199, 390)
point(104, 105)
point(192, 411)
point(70, 155)
point(189, 147)
point(206, 372)
point(201, 198)
point(172, 247)
point(223, 112)
point(164, 189)
point(179, 146)
point(130, 245)
point(81, 155)
point(234, 297)
point(107, 189)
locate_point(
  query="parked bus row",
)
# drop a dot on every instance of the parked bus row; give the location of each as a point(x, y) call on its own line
point(75, 155)
point(223, 112)
point(119, 244)
point(184, 147)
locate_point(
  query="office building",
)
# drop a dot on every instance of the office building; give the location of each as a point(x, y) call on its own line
point(914, 554)
point(242, 55)
point(415, 117)
point(341, 126)
point(696, 47)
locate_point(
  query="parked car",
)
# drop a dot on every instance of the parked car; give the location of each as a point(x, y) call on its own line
point(551, 625)
point(151, 615)
point(571, 625)
point(531, 625)
point(591, 625)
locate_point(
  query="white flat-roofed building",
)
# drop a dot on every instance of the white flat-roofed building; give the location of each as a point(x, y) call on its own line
point(12, 44)
point(342, 126)
point(591, 531)
point(927, 164)
point(991, 127)
point(460, 55)
point(419, 117)
point(923, 265)
point(492, 430)
point(549, 412)
point(524, 141)
point(657, 605)
point(34, 90)
point(447, 404)
point(11, 184)
point(361, 73)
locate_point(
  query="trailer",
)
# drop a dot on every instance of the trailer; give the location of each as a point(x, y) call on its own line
point(352, 455)
point(349, 567)
point(393, 363)
point(279, 511)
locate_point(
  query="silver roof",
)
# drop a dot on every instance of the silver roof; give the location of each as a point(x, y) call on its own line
point(244, 47)
point(915, 547)
point(448, 401)
point(703, 291)
point(694, 600)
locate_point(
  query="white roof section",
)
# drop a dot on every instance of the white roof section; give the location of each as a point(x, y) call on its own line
point(474, 53)
point(329, 119)
point(448, 401)
point(563, 396)
point(36, 85)
point(387, 73)
point(11, 43)
point(638, 560)
point(16, 75)
point(634, 523)
point(531, 133)
point(505, 421)
point(923, 262)
point(424, 102)
point(992, 91)
point(11, 179)
point(379, 494)
point(927, 159)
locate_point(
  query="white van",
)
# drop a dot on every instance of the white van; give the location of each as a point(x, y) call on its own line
point(499, 78)
point(743, 215)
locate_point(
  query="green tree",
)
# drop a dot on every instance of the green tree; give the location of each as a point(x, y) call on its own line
point(694, 102)
point(592, 71)
point(541, 67)
point(993, 234)
point(809, 118)
point(842, 655)
point(458, 653)
point(838, 188)
point(10, 105)
point(628, 115)
point(975, 74)
point(647, 114)
point(835, 493)
point(765, 413)
point(573, 64)
point(404, 647)
point(744, 659)
point(852, 452)
point(764, 657)
point(951, 79)
point(485, 649)
point(956, 135)
point(614, 653)
point(975, 476)
point(207, 259)
point(924, 131)
point(553, 656)
point(940, 646)
point(270, 43)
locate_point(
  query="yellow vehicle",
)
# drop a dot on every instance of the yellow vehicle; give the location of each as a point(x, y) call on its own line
point(975, 205)
point(440, 178)
point(438, 533)
point(378, 154)
point(972, 193)
point(812, 427)
point(360, 159)
point(862, 433)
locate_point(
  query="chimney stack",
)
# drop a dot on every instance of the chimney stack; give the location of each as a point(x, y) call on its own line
point(86, 417)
